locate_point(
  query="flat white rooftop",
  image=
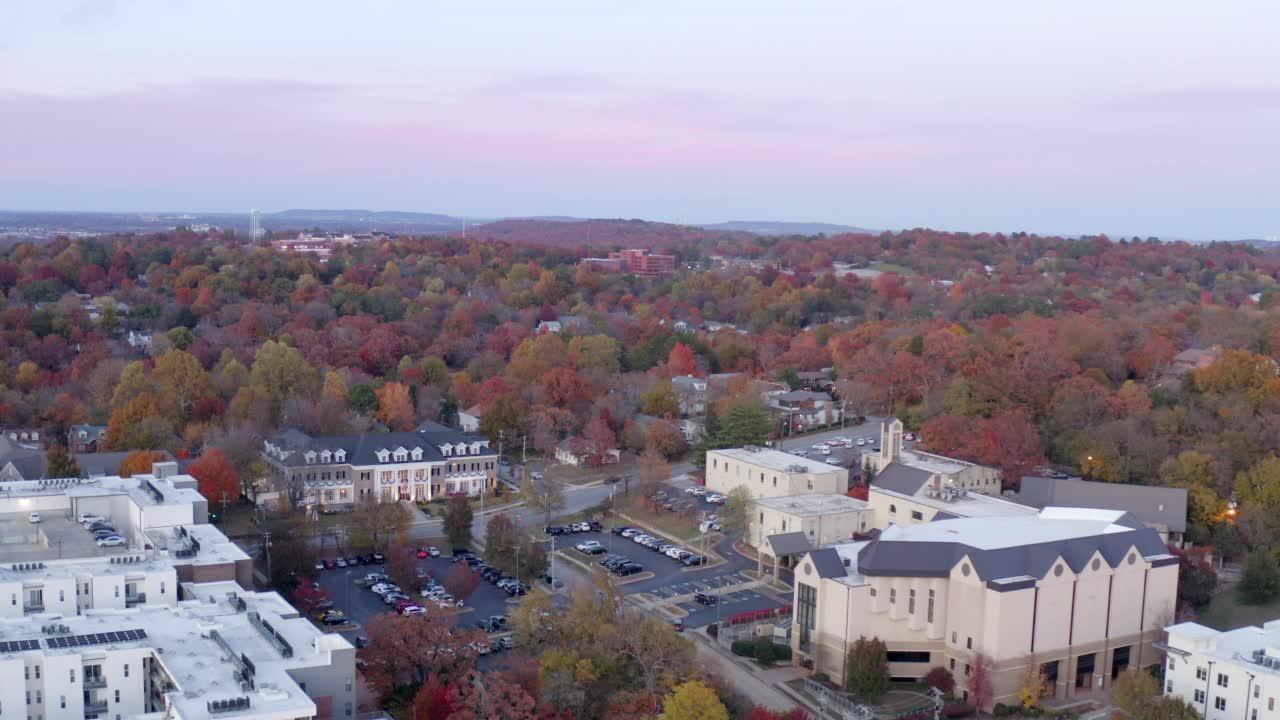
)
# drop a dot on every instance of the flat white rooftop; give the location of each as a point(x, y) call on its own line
point(777, 460)
point(814, 505)
point(936, 464)
point(183, 640)
point(968, 505)
point(848, 552)
point(1050, 525)
point(1236, 645)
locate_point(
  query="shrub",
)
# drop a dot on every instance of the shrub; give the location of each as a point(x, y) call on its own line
point(713, 630)
point(942, 679)
point(743, 648)
point(762, 650)
point(1001, 710)
point(958, 710)
point(782, 652)
point(822, 677)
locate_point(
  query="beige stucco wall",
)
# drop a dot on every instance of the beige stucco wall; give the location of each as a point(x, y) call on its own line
point(1096, 611)
point(820, 530)
point(726, 473)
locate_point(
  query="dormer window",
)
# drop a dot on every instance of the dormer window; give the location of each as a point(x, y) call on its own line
point(446, 450)
point(310, 456)
point(417, 453)
point(460, 448)
point(383, 456)
point(340, 456)
point(475, 448)
point(401, 455)
point(326, 456)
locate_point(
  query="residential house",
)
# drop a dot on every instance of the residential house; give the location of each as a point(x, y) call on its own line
point(469, 419)
point(28, 437)
point(139, 340)
point(20, 463)
point(1185, 362)
point(86, 438)
point(577, 451)
point(805, 409)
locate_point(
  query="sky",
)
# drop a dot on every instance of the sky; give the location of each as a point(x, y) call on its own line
point(1134, 118)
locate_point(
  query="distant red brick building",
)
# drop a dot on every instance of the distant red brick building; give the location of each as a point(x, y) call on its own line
point(636, 262)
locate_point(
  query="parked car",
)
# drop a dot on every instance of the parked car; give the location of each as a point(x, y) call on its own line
point(422, 553)
point(341, 562)
point(628, 569)
point(33, 517)
point(716, 499)
point(693, 560)
point(507, 642)
point(411, 610)
point(433, 551)
point(334, 618)
point(88, 517)
point(329, 564)
point(319, 566)
point(862, 442)
point(909, 436)
point(379, 558)
point(392, 597)
point(625, 532)
point(382, 588)
point(673, 553)
point(678, 625)
point(111, 541)
point(705, 599)
point(99, 534)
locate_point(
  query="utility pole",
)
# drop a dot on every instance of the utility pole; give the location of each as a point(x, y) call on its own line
point(266, 549)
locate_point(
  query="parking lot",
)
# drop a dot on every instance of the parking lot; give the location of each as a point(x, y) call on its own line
point(360, 604)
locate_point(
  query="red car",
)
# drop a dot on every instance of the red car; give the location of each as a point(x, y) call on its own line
point(422, 553)
point(329, 564)
point(403, 603)
point(678, 625)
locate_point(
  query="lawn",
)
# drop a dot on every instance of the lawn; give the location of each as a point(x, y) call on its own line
point(1227, 612)
point(889, 267)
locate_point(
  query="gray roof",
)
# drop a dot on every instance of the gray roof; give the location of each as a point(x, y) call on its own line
point(1153, 505)
point(362, 449)
point(802, 395)
point(792, 543)
point(901, 478)
point(936, 559)
point(828, 563)
point(107, 463)
point(30, 464)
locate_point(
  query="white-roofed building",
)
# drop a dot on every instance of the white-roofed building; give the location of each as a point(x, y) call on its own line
point(1081, 594)
point(1225, 674)
point(772, 473)
point(227, 653)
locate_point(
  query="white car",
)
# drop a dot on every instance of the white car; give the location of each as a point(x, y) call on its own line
point(699, 491)
point(909, 436)
point(588, 545)
point(433, 551)
point(716, 499)
point(692, 490)
point(413, 610)
point(800, 453)
point(35, 518)
point(640, 539)
point(384, 588)
point(111, 541)
point(87, 518)
point(862, 441)
point(673, 553)
point(819, 446)
point(825, 451)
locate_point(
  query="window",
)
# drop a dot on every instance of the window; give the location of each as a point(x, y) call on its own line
point(1271, 703)
point(117, 696)
point(929, 613)
point(1168, 687)
point(911, 602)
point(873, 592)
point(1201, 673)
point(953, 664)
point(893, 596)
point(806, 612)
point(1253, 714)
point(967, 670)
point(26, 672)
point(73, 675)
point(28, 697)
point(1219, 703)
point(775, 482)
point(62, 701)
point(1257, 691)
point(62, 596)
point(953, 637)
point(1199, 696)
point(37, 672)
point(762, 518)
point(916, 515)
point(969, 644)
point(348, 709)
point(39, 697)
point(893, 508)
point(161, 587)
point(907, 656)
point(1223, 680)
point(126, 669)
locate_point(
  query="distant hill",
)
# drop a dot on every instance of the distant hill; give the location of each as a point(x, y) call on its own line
point(600, 233)
point(365, 220)
point(769, 227)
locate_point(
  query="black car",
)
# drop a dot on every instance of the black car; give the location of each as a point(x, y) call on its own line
point(613, 561)
point(473, 561)
point(353, 560)
point(596, 526)
point(516, 589)
point(628, 569)
point(693, 560)
point(620, 529)
point(705, 599)
point(366, 559)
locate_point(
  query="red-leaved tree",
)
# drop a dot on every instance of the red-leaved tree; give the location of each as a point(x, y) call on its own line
point(216, 477)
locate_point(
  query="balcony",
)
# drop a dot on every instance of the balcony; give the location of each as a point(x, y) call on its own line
point(30, 607)
point(95, 708)
point(94, 682)
point(133, 600)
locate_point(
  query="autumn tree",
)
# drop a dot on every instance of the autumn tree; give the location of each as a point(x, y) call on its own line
point(979, 683)
point(306, 596)
point(693, 700)
point(658, 653)
point(216, 478)
point(735, 516)
point(660, 400)
point(283, 373)
point(181, 380)
point(682, 361)
point(458, 517)
point(493, 695)
point(1134, 691)
point(405, 651)
point(375, 525)
point(60, 463)
point(395, 407)
point(1260, 581)
point(402, 564)
point(502, 541)
point(545, 494)
point(460, 580)
point(867, 670)
point(139, 462)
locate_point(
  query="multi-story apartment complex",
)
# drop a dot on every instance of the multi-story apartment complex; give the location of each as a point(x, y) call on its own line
point(767, 473)
point(225, 652)
point(1077, 594)
point(1225, 674)
point(432, 462)
point(908, 471)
